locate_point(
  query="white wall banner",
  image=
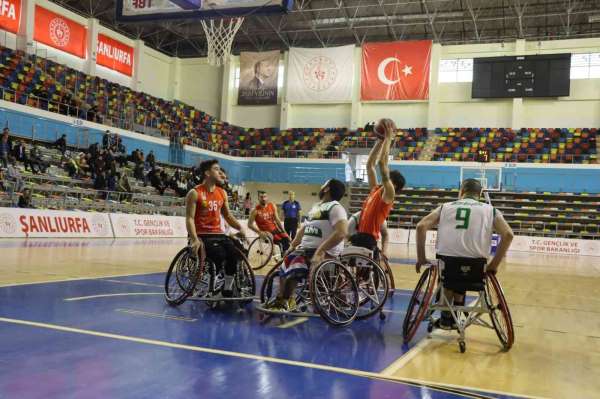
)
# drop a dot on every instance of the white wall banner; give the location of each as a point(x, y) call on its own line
point(430, 241)
point(320, 74)
point(399, 236)
point(33, 223)
point(556, 246)
point(148, 226)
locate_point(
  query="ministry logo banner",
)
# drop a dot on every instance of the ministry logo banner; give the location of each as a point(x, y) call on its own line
point(258, 78)
point(320, 74)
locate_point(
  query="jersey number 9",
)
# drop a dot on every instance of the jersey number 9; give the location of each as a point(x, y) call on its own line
point(463, 215)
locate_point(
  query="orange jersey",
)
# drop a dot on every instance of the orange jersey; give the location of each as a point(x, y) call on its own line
point(265, 217)
point(374, 212)
point(208, 210)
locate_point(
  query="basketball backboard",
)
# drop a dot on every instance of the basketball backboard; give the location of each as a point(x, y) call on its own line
point(147, 10)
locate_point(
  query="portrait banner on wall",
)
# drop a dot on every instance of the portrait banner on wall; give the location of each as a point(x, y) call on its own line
point(258, 78)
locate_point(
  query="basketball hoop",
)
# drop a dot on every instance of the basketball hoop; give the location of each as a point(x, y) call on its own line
point(219, 38)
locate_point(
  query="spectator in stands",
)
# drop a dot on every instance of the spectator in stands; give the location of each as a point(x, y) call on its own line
point(61, 144)
point(20, 154)
point(72, 167)
point(13, 174)
point(111, 180)
point(83, 163)
point(150, 159)
point(106, 139)
point(5, 147)
point(331, 151)
point(37, 163)
point(100, 180)
point(2, 178)
point(154, 177)
point(247, 205)
point(235, 200)
point(123, 186)
point(25, 199)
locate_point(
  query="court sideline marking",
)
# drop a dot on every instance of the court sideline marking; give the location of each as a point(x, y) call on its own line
point(158, 315)
point(356, 373)
point(82, 298)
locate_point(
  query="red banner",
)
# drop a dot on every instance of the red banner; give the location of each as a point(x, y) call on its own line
point(10, 15)
point(59, 32)
point(396, 70)
point(114, 55)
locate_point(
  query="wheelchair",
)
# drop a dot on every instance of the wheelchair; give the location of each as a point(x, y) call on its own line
point(340, 290)
point(466, 275)
point(262, 250)
point(194, 277)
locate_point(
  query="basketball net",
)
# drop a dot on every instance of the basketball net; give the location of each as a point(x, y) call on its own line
point(219, 38)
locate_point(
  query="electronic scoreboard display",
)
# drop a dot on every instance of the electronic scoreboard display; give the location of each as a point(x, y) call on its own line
point(522, 76)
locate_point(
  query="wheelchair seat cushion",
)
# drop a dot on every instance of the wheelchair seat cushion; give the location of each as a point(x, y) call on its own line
point(463, 274)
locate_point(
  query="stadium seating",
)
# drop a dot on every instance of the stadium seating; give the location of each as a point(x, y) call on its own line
point(45, 84)
point(526, 145)
point(570, 215)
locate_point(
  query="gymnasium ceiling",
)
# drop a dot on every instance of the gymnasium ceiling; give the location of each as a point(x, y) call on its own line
point(324, 23)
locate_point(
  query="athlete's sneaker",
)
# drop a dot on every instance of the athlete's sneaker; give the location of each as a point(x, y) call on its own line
point(445, 322)
point(278, 305)
point(291, 305)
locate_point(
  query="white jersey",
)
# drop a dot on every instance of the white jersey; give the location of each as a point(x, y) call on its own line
point(320, 225)
point(465, 228)
point(355, 220)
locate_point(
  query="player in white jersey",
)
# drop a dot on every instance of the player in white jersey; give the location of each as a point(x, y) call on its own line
point(353, 226)
point(321, 236)
point(465, 229)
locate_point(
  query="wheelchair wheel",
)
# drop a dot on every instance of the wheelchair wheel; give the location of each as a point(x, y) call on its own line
point(499, 312)
point(246, 284)
point(260, 252)
point(371, 281)
point(419, 303)
point(182, 276)
point(385, 264)
point(334, 293)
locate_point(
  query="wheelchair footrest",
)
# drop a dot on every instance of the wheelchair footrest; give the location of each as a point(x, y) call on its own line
point(284, 313)
point(222, 299)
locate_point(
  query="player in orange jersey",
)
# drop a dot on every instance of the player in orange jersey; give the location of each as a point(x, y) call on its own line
point(264, 221)
point(205, 205)
point(380, 201)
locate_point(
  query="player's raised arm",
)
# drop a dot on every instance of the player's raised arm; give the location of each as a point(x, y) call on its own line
point(372, 163)
point(388, 187)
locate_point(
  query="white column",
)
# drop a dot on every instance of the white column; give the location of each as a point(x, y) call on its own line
point(26, 26)
point(517, 105)
point(227, 89)
point(434, 102)
point(284, 120)
point(92, 46)
point(174, 88)
point(138, 60)
point(355, 112)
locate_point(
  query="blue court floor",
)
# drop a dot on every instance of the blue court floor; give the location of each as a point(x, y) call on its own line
point(117, 338)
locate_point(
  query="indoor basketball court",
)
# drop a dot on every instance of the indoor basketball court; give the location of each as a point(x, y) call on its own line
point(112, 109)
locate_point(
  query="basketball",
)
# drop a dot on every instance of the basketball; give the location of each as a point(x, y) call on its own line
point(379, 128)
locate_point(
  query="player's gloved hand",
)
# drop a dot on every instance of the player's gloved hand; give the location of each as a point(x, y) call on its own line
point(421, 262)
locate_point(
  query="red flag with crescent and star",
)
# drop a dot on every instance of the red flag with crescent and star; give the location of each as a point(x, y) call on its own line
point(395, 70)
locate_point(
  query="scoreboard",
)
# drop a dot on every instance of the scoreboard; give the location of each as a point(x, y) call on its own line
point(522, 76)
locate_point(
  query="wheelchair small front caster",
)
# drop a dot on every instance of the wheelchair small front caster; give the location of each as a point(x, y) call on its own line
point(430, 327)
point(381, 316)
point(462, 346)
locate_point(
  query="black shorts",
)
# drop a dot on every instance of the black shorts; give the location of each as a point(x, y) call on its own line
point(462, 274)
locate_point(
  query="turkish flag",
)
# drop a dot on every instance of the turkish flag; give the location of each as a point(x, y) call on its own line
point(115, 55)
point(59, 32)
point(396, 70)
point(10, 15)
